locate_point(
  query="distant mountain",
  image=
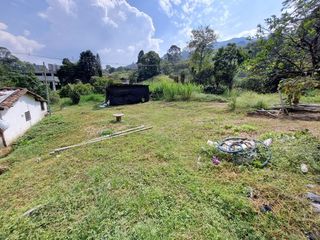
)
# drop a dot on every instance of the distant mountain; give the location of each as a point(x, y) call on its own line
point(241, 42)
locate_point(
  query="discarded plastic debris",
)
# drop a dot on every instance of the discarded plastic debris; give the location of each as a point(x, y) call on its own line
point(265, 208)
point(247, 150)
point(313, 197)
point(267, 142)
point(215, 160)
point(304, 168)
point(316, 207)
point(250, 192)
point(210, 143)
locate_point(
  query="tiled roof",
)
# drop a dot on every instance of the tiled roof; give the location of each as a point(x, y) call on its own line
point(8, 96)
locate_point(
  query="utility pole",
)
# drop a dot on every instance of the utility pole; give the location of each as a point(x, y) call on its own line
point(47, 87)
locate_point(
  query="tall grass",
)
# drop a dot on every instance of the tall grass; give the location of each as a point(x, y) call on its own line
point(172, 91)
point(251, 100)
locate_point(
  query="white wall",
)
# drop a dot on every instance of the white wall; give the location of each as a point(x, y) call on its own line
point(15, 116)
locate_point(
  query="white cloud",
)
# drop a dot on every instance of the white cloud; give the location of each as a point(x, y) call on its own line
point(114, 28)
point(168, 5)
point(247, 33)
point(69, 6)
point(3, 26)
point(16, 43)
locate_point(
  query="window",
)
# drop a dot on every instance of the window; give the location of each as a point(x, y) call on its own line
point(28, 116)
point(42, 106)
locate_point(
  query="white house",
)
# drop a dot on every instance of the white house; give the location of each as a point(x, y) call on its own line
point(19, 110)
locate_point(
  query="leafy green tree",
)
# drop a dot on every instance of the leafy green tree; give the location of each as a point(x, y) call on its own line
point(289, 45)
point(15, 73)
point(149, 66)
point(140, 55)
point(201, 45)
point(226, 63)
point(87, 66)
point(174, 54)
point(67, 72)
point(98, 66)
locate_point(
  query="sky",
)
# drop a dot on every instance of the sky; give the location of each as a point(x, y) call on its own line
point(49, 30)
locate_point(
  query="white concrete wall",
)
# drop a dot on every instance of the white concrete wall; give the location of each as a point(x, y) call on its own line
point(15, 116)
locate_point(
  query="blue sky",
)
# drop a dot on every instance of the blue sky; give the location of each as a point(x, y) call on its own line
point(119, 29)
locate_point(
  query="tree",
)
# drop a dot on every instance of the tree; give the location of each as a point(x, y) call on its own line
point(15, 73)
point(87, 66)
point(201, 45)
point(289, 45)
point(148, 66)
point(174, 54)
point(98, 66)
point(140, 55)
point(67, 73)
point(226, 63)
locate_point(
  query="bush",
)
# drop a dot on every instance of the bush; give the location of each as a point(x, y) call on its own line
point(252, 84)
point(214, 90)
point(65, 91)
point(54, 97)
point(75, 97)
point(100, 84)
point(83, 89)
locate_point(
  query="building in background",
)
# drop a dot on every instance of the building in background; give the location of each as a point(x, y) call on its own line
point(51, 75)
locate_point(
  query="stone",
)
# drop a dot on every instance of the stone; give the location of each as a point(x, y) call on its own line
point(304, 168)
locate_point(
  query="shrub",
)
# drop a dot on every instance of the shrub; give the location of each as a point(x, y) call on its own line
point(260, 105)
point(75, 97)
point(54, 97)
point(65, 91)
point(100, 84)
point(83, 89)
point(232, 105)
point(252, 84)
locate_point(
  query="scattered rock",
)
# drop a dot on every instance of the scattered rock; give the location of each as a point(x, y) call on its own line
point(3, 169)
point(304, 168)
point(265, 208)
point(313, 197)
point(32, 211)
point(316, 207)
point(310, 186)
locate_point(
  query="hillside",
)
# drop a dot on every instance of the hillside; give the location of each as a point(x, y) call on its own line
point(241, 42)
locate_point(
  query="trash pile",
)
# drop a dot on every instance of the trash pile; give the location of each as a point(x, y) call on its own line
point(243, 150)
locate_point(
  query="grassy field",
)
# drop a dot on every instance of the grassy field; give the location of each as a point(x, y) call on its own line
point(157, 184)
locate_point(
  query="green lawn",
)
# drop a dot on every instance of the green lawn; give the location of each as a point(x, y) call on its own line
point(152, 185)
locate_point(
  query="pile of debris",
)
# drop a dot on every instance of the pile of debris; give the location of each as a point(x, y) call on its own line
point(243, 150)
point(306, 112)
